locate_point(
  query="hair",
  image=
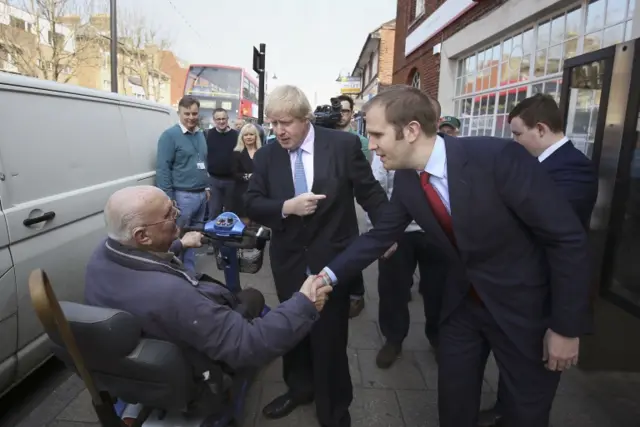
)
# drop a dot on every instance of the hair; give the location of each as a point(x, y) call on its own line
point(348, 99)
point(437, 106)
point(539, 108)
point(188, 101)
point(121, 216)
point(120, 227)
point(404, 104)
point(288, 99)
point(245, 129)
point(220, 110)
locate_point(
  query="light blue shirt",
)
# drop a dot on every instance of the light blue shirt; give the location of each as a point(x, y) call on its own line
point(437, 169)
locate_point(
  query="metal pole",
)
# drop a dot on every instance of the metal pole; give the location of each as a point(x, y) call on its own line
point(261, 76)
point(114, 47)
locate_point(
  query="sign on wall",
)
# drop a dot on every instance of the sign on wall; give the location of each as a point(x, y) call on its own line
point(436, 22)
point(350, 85)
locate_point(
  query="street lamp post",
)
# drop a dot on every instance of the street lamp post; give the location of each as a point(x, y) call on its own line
point(114, 46)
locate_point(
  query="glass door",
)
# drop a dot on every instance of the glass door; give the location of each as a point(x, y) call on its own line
point(583, 100)
point(601, 119)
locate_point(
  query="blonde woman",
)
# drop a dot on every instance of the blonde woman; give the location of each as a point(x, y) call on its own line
point(248, 144)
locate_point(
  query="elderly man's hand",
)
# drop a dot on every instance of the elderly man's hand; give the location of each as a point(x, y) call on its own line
point(191, 239)
point(316, 290)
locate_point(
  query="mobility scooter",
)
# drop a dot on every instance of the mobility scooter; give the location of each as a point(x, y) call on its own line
point(144, 382)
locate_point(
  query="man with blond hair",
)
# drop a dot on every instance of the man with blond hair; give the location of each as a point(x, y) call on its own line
point(303, 189)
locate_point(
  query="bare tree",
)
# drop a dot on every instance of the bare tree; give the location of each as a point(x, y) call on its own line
point(143, 45)
point(40, 37)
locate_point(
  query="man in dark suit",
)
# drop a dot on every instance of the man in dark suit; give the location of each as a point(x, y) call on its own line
point(517, 281)
point(537, 124)
point(303, 189)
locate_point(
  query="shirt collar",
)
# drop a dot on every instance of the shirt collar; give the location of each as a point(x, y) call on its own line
point(437, 164)
point(185, 130)
point(307, 144)
point(552, 149)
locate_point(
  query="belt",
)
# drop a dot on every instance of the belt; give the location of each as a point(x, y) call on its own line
point(199, 190)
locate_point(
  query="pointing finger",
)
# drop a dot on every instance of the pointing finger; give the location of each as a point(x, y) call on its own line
point(317, 196)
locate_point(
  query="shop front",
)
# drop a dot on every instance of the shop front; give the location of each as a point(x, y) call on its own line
point(581, 53)
point(504, 70)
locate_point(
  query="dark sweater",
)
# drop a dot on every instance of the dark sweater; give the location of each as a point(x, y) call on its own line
point(220, 153)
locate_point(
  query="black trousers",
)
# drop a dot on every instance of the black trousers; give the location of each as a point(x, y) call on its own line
point(466, 338)
point(395, 279)
point(318, 366)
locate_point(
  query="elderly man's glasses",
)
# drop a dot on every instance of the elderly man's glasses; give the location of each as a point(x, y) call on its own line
point(171, 215)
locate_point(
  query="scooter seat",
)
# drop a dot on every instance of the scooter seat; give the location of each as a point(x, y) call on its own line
point(151, 372)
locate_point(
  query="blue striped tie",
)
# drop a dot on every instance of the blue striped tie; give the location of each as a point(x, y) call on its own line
point(299, 178)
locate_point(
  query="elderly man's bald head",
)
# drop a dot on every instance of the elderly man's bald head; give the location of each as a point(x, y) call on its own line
point(131, 207)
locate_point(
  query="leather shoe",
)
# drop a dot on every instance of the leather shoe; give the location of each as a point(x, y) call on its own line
point(490, 418)
point(283, 405)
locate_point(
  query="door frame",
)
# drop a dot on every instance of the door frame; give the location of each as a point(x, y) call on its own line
point(629, 140)
point(607, 55)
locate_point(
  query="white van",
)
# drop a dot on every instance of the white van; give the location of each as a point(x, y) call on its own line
point(63, 151)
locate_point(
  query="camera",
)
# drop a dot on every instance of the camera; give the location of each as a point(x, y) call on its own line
point(327, 115)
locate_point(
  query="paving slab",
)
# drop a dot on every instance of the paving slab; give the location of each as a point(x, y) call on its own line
point(403, 396)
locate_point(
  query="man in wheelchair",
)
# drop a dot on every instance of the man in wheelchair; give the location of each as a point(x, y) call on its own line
point(138, 270)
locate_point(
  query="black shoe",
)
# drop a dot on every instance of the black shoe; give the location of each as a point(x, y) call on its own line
point(489, 418)
point(283, 405)
point(387, 355)
point(355, 307)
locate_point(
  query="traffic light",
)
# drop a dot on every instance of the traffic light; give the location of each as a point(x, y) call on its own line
point(259, 60)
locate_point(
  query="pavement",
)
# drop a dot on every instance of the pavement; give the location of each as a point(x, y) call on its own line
point(403, 396)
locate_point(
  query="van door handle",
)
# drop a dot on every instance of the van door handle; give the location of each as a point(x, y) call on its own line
point(42, 218)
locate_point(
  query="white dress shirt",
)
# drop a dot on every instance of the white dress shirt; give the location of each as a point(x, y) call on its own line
point(552, 149)
point(307, 157)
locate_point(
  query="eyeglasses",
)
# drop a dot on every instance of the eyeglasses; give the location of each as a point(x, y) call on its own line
point(172, 215)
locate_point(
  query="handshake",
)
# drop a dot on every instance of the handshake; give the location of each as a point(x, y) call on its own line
point(317, 289)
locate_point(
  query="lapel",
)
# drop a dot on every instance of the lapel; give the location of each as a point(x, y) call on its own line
point(282, 171)
point(459, 187)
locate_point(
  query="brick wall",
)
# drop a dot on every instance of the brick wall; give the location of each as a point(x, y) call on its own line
point(385, 59)
point(422, 59)
point(177, 74)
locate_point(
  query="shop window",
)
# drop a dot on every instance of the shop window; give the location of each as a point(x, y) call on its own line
point(419, 10)
point(491, 81)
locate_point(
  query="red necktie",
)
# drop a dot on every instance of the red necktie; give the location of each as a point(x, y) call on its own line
point(442, 216)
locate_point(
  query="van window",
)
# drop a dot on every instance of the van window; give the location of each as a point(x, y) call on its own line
point(75, 143)
point(144, 128)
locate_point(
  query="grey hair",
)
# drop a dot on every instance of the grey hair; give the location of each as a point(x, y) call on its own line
point(125, 211)
point(120, 226)
point(121, 217)
point(288, 99)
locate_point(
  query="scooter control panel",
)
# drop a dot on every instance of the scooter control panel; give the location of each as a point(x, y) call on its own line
point(227, 224)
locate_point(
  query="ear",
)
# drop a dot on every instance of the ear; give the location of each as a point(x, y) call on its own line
point(141, 237)
point(542, 129)
point(412, 131)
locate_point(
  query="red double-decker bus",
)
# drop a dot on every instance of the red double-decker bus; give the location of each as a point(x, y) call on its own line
point(222, 86)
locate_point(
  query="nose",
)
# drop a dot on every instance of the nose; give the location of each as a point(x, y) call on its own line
point(372, 145)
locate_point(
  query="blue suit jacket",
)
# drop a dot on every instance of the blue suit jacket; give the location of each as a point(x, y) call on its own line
point(576, 178)
point(518, 240)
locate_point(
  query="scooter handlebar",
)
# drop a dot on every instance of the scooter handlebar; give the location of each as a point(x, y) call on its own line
point(250, 238)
